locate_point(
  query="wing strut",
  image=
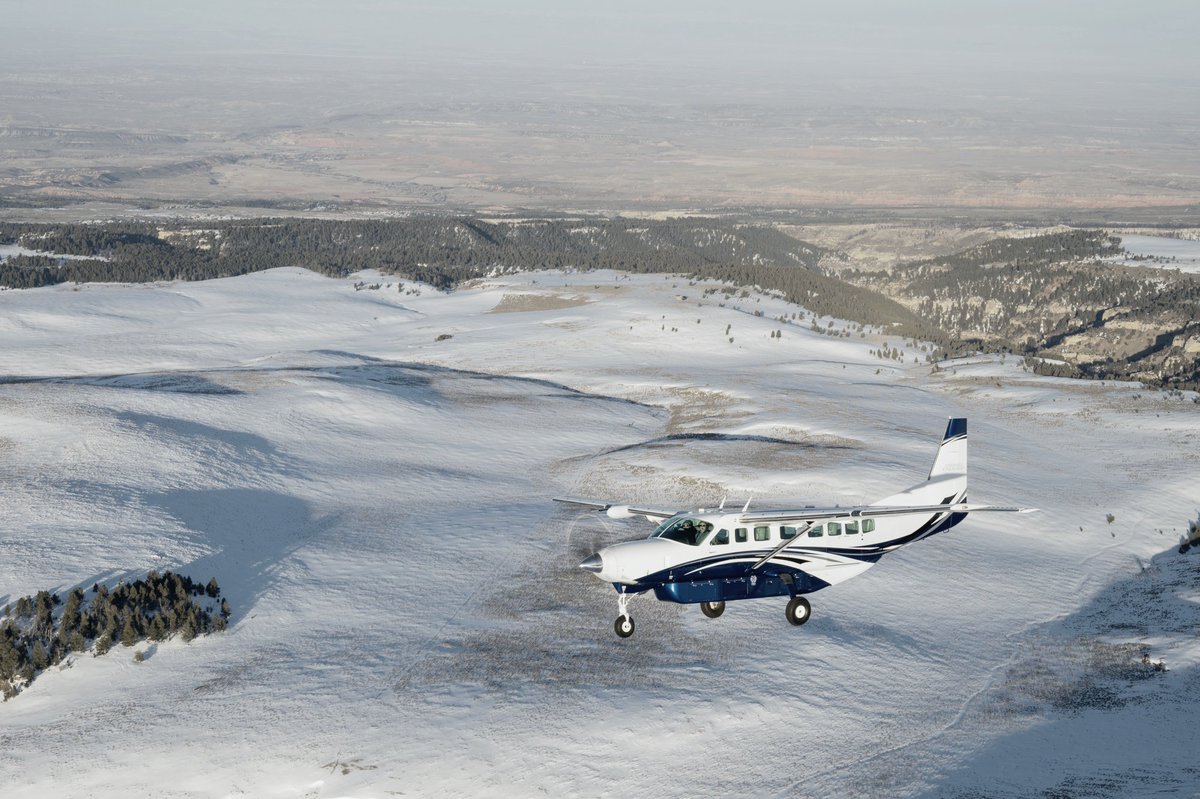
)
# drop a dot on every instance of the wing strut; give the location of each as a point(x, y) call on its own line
point(799, 532)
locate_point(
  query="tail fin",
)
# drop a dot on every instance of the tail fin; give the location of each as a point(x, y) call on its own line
point(947, 481)
point(952, 454)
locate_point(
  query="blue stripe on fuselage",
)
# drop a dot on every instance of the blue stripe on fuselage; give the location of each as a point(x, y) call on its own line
point(730, 565)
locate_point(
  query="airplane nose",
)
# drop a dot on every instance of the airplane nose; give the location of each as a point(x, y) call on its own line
point(593, 564)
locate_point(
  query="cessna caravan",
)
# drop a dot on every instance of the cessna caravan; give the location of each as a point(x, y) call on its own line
point(710, 557)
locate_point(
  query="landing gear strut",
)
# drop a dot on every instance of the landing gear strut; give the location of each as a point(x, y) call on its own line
point(623, 626)
point(712, 609)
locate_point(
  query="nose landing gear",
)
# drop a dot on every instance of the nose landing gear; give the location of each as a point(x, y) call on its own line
point(623, 626)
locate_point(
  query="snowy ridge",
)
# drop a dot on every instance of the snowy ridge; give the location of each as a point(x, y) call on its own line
point(407, 613)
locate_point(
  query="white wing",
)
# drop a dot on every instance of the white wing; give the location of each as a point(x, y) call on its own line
point(867, 512)
point(618, 511)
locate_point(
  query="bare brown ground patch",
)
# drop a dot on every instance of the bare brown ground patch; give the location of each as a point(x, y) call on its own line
point(693, 407)
point(522, 303)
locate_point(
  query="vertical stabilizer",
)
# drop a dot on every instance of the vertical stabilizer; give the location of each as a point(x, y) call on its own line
point(947, 481)
point(952, 454)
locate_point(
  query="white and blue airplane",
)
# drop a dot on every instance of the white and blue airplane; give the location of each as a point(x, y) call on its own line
point(710, 557)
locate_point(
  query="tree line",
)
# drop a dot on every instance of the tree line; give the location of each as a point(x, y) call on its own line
point(444, 251)
point(40, 631)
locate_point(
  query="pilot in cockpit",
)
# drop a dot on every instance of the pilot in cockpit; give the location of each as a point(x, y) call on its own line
point(687, 528)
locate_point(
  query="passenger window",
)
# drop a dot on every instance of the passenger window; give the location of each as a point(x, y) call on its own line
point(834, 528)
point(739, 535)
point(816, 531)
point(868, 525)
point(762, 533)
point(722, 537)
point(787, 532)
point(851, 528)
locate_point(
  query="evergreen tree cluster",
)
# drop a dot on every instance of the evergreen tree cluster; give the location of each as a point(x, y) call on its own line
point(1029, 251)
point(37, 632)
point(440, 251)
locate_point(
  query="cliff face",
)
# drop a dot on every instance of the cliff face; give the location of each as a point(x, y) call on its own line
point(1060, 295)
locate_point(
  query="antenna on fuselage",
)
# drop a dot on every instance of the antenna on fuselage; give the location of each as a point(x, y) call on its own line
point(746, 507)
point(722, 505)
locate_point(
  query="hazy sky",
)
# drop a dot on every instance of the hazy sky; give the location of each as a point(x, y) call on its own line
point(674, 102)
point(1145, 35)
point(935, 47)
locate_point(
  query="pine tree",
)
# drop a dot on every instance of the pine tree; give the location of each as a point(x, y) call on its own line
point(43, 620)
point(188, 630)
point(129, 635)
point(38, 658)
point(10, 658)
point(213, 590)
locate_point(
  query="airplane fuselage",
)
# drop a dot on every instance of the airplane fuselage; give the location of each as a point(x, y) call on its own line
point(718, 562)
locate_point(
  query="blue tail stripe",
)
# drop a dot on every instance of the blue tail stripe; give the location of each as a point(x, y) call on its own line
point(957, 427)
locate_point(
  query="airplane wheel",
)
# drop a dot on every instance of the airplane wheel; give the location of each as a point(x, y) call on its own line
point(712, 609)
point(623, 626)
point(798, 610)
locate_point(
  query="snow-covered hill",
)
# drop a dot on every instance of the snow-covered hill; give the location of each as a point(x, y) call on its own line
point(368, 475)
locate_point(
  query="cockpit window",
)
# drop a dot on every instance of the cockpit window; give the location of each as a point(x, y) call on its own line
point(686, 531)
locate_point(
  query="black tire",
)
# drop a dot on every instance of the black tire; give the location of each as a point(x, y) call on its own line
point(798, 610)
point(623, 626)
point(712, 609)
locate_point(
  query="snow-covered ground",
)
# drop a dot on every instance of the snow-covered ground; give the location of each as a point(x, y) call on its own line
point(408, 618)
point(9, 250)
point(1162, 252)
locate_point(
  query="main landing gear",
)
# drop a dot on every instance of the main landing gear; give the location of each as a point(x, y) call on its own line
point(798, 610)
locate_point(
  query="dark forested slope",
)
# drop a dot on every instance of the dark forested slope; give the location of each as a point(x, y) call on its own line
point(1038, 295)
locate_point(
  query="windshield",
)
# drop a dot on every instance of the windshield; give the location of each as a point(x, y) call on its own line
point(686, 531)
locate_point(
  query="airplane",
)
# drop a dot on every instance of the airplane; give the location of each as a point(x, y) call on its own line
point(713, 556)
